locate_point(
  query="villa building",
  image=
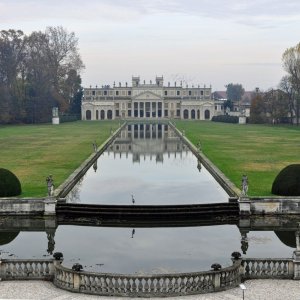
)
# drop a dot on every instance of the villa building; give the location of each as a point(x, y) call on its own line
point(149, 101)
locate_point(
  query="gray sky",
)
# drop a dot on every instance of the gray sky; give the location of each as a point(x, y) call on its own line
point(199, 41)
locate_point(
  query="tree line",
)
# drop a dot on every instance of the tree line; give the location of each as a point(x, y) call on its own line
point(281, 105)
point(38, 71)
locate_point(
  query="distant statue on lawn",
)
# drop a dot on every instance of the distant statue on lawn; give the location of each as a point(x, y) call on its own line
point(50, 185)
point(244, 185)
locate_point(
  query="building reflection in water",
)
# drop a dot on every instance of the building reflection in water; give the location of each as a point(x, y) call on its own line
point(147, 140)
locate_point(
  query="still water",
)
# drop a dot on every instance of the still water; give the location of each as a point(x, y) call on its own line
point(151, 164)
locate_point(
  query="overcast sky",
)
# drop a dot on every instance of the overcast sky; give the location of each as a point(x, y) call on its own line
point(199, 41)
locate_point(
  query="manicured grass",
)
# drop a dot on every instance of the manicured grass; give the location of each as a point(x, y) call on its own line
point(32, 152)
point(260, 151)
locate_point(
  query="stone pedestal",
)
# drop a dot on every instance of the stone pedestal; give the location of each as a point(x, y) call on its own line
point(55, 120)
point(242, 120)
point(296, 264)
point(245, 206)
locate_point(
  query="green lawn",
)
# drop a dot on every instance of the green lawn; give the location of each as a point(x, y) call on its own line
point(260, 151)
point(33, 152)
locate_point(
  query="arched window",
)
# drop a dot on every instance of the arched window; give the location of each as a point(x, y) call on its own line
point(198, 114)
point(109, 114)
point(193, 114)
point(102, 114)
point(88, 115)
point(207, 114)
point(186, 114)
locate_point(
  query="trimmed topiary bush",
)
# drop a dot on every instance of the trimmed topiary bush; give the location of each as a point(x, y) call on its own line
point(9, 184)
point(225, 119)
point(287, 182)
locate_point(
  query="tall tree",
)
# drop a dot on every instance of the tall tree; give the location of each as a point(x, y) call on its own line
point(64, 62)
point(291, 64)
point(12, 45)
point(234, 92)
point(37, 72)
point(258, 109)
point(287, 86)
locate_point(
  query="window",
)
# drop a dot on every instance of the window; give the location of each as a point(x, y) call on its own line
point(117, 93)
point(166, 93)
point(129, 93)
point(93, 93)
point(166, 113)
point(190, 93)
point(178, 112)
point(178, 93)
point(201, 93)
point(105, 93)
point(117, 113)
point(216, 107)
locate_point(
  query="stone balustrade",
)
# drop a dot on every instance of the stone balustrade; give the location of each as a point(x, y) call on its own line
point(20, 269)
point(148, 285)
point(156, 285)
point(272, 268)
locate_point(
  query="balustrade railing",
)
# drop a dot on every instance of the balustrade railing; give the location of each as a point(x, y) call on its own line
point(159, 285)
point(148, 285)
point(256, 268)
point(12, 269)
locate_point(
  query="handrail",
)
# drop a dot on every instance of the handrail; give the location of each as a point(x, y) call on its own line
point(149, 285)
point(159, 285)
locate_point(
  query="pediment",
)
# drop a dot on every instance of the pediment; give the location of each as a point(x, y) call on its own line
point(147, 95)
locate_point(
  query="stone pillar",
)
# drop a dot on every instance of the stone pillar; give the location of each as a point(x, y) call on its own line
point(296, 260)
point(132, 109)
point(139, 109)
point(150, 110)
point(245, 206)
point(217, 281)
point(76, 281)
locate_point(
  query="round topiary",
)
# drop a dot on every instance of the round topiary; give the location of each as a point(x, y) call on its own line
point(287, 182)
point(9, 184)
point(7, 237)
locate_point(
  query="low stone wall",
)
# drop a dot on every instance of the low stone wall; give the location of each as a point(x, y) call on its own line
point(267, 268)
point(18, 206)
point(27, 269)
point(157, 285)
point(153, 285)
point(269, 205)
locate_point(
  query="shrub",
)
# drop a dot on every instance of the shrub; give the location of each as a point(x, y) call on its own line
point(9, 184)
point(7, 237)
point(287, 181)
point(225, 119)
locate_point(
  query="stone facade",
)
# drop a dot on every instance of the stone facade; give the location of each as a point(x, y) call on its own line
point(149, 101)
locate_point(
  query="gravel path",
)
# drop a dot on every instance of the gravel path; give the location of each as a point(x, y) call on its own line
point(256, 290)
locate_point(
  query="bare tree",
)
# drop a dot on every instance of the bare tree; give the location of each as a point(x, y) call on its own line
point(286, 85)
point(291, 64)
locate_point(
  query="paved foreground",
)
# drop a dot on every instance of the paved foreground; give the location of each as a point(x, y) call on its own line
point(256, 290)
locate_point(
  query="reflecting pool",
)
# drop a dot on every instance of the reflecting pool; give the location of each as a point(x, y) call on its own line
point(150, 164)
